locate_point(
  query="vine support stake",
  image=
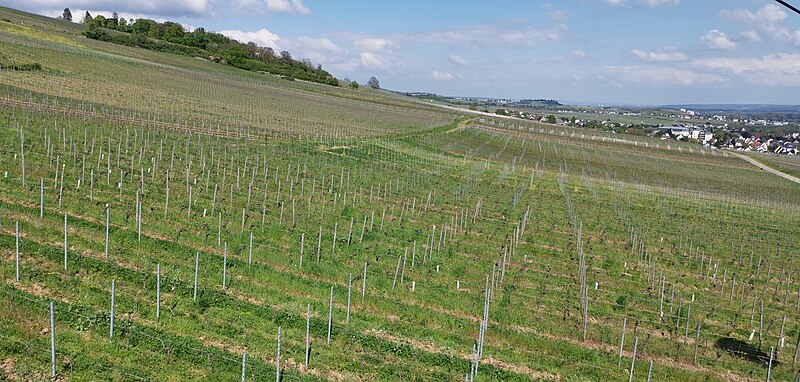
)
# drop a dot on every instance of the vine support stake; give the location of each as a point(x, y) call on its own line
point(158, 291)
point(278, 359)
point(196, 267)
point(52, 340)
point(330, 316)
point(113, 291)
point(244, 365)
point(65, 242)
point(633, 360)
point(308, 333)
point(16, 257)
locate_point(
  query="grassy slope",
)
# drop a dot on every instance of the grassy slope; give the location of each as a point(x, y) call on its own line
point(646, 212)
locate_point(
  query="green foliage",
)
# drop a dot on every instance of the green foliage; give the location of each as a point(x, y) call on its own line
point(394, 334)
point(21, 67)
point(94, 32)
point(170, 37)
point(621, 303)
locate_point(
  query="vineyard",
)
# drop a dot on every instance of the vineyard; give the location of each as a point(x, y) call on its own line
point(167, 218)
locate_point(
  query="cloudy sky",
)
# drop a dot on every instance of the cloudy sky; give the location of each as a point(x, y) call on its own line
point(602, 51)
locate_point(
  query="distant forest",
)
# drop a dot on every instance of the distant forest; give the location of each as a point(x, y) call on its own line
point(171, 37)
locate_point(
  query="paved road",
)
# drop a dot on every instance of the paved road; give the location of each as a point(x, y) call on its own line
point(767, 169)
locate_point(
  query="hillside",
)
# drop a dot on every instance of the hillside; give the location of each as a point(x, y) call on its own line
point(194, 221)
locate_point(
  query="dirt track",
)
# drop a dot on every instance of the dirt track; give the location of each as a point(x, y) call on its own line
point(768, 169)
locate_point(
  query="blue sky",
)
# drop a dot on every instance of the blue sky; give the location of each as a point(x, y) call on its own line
point(602, 51)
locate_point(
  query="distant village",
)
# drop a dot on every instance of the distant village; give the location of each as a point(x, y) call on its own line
point(761, 128)
point(735, 134)
point(741, 140)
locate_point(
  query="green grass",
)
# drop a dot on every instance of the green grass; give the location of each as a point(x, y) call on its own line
point(786, 164)
point(647, 210)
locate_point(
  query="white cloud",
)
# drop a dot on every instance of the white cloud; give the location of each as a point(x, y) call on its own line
point(321, 43)
point(442, 76)
point(261, 37)
point(658, 56)
point(371, 60)
point(375, 53)
point(771, 70)
point(559, 16)
point(649, 76)
point(769, 14)
point(577, 55)
point(715, 39)
point(513, 33)
point(656, 3)
point(751, 35)
point(271, 6)
point(375, 44)
point(300, 7)
point(768, 19)
point(319, 50)
point(641, 3)
point(456, 59)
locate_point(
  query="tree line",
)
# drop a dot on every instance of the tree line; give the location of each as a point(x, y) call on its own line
point(172, 37)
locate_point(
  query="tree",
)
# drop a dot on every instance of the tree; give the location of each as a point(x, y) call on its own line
point(142, 26)
point(87, 18)
point(353, 85)
point(113, 22)
point(373, 83)
point(67, 14)
point(100, 21)
point(286, 57)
